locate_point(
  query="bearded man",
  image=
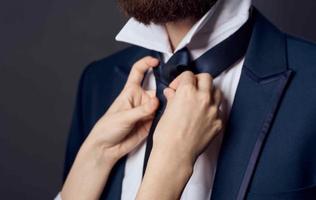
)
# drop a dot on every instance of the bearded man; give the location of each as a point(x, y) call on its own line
point(268, 83)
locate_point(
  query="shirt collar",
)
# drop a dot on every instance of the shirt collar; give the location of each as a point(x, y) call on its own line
point(220, 17)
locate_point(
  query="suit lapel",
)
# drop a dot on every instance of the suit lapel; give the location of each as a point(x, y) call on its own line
point(262, 84)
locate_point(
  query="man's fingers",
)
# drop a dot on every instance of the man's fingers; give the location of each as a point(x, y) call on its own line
point(139, 69)
point(205, 82)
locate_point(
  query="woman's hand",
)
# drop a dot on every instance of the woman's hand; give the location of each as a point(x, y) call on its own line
point(190, 121)
point(191, 118)
point(127, 121)
point(123, 127)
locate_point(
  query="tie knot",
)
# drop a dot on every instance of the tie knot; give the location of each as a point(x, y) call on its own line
point(179, 62)
point(180, 58)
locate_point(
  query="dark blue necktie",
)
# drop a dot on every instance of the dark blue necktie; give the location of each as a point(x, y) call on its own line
point(214, 62)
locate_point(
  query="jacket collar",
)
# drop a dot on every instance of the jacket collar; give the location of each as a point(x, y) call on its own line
point(267, 51)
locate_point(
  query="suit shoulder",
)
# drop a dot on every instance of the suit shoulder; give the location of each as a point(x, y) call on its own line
point(301, 52)
point(298, 41)
point(121, 60)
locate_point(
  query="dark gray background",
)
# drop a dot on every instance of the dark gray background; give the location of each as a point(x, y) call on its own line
point(44, 46)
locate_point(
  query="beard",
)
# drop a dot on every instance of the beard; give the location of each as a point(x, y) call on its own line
point(163, 11)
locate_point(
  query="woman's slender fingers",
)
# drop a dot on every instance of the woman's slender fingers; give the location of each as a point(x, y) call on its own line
point(217, 97)
point(140, 112)
point(169, 93)
point(205, 82)
point(139, 69)
point(186, 78)
point(175, 83)
point(151, 93)
point(133, 140)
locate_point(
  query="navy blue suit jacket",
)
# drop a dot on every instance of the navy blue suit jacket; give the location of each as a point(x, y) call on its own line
point(269, 147)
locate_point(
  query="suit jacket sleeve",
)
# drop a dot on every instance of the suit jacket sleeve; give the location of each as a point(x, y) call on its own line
point(78, 129)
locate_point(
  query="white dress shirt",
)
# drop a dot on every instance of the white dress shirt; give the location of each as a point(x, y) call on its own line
point(221, 21)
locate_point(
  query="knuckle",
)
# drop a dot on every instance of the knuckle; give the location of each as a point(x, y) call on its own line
point(129, 90)
point(128, 87)
point(205, 98)
point(210, 77)
point(206, 76)
point(220, 95)
point(219, 124)
point(187, 74)
point(187, 89)
point(213, 111)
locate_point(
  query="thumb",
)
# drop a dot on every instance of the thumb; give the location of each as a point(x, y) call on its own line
point(140, 112)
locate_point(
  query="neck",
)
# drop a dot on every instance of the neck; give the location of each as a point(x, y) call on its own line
point(177, 30)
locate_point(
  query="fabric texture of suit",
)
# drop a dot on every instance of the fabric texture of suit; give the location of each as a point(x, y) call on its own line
point(268, 150)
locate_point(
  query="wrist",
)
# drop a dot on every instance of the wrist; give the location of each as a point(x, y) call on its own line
point(173, 153)
point(95, 152)
point(171, 158)
point(161, 166)
point(88, 168)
